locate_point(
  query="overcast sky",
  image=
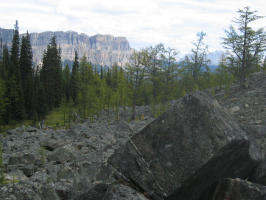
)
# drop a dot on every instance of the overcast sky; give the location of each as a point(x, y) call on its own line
point(144, 22)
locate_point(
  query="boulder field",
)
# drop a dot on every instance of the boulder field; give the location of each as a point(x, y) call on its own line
point(202, 148)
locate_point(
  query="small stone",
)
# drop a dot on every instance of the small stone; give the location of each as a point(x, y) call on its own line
point(234, 109)
point(258, 122)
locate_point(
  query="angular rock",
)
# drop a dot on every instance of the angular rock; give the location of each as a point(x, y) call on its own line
point(111, 192)
point(122, 192)
point(259, 175)
point(236, 160)
point(62, 154)
point(48, 192)
point(234, 109)
point(237, 189)
point(97, 192)
point(170, 149)
point(19, 191)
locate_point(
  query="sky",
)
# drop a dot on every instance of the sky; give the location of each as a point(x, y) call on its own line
point(174, 23)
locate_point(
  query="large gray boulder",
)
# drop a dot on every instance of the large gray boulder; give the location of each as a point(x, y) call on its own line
point(122, 192)
point(113, 191)
point(168, 151)
point(236, 160)
point(237, 189)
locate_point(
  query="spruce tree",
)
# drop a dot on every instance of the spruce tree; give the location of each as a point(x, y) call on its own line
point(3, 102)
point(74, 82)
point(14, 78)
point(51, 75)
point(101, 73)
point(26, 71)
point(66, 82)
point(14, 68)
point(5, 63)
point(40, 107)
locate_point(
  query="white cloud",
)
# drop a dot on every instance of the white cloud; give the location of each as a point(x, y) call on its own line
point(143, 22)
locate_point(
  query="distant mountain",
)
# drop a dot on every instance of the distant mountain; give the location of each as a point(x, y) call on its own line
point(99, 49)
point(215, 57)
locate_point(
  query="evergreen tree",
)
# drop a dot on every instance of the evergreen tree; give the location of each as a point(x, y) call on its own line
point(14, 68)
point(245, 43)
point(74, 83)
point(5, 64)
point(39, 105)
point(66, 82)
point(51, 75)
point(3, 101)
point(16, 99)
point(101, 73)
point(26, 70)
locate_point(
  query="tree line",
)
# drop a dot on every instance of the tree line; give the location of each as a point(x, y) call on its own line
point(152, 77)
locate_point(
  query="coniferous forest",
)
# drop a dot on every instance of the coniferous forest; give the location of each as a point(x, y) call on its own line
point(153, 77)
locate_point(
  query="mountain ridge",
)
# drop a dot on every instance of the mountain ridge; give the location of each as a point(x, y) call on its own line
point(100, 49)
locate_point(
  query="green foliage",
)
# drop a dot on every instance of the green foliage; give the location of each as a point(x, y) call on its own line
point(14, 90)
point(61, 117)
point(3, 102)
point(195, 69)
point(245, 44)
point(67, 82)
point(26, 71)
point(51, 76)
point(75, 80)
point(153, 77)
point(264, 65)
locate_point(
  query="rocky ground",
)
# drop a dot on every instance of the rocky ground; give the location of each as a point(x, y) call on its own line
point(198, 150)
point(247, 106)
point(62, 164)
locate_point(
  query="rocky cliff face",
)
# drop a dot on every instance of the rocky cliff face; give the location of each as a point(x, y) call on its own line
point(99, 49)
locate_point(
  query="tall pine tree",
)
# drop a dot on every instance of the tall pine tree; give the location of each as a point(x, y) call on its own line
point(15, 93)
point(26, 71)
point(51, 75)
point(74, 83)
point(66, 82)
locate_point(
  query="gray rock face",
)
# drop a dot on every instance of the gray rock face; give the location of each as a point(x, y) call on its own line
point(99, 49)
point(259, 175)
point(170, 149)
point(236, 160)
point(237, 189)
point(122, 192)
point(62, 164)
point(250, 102)
point(111, 192)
